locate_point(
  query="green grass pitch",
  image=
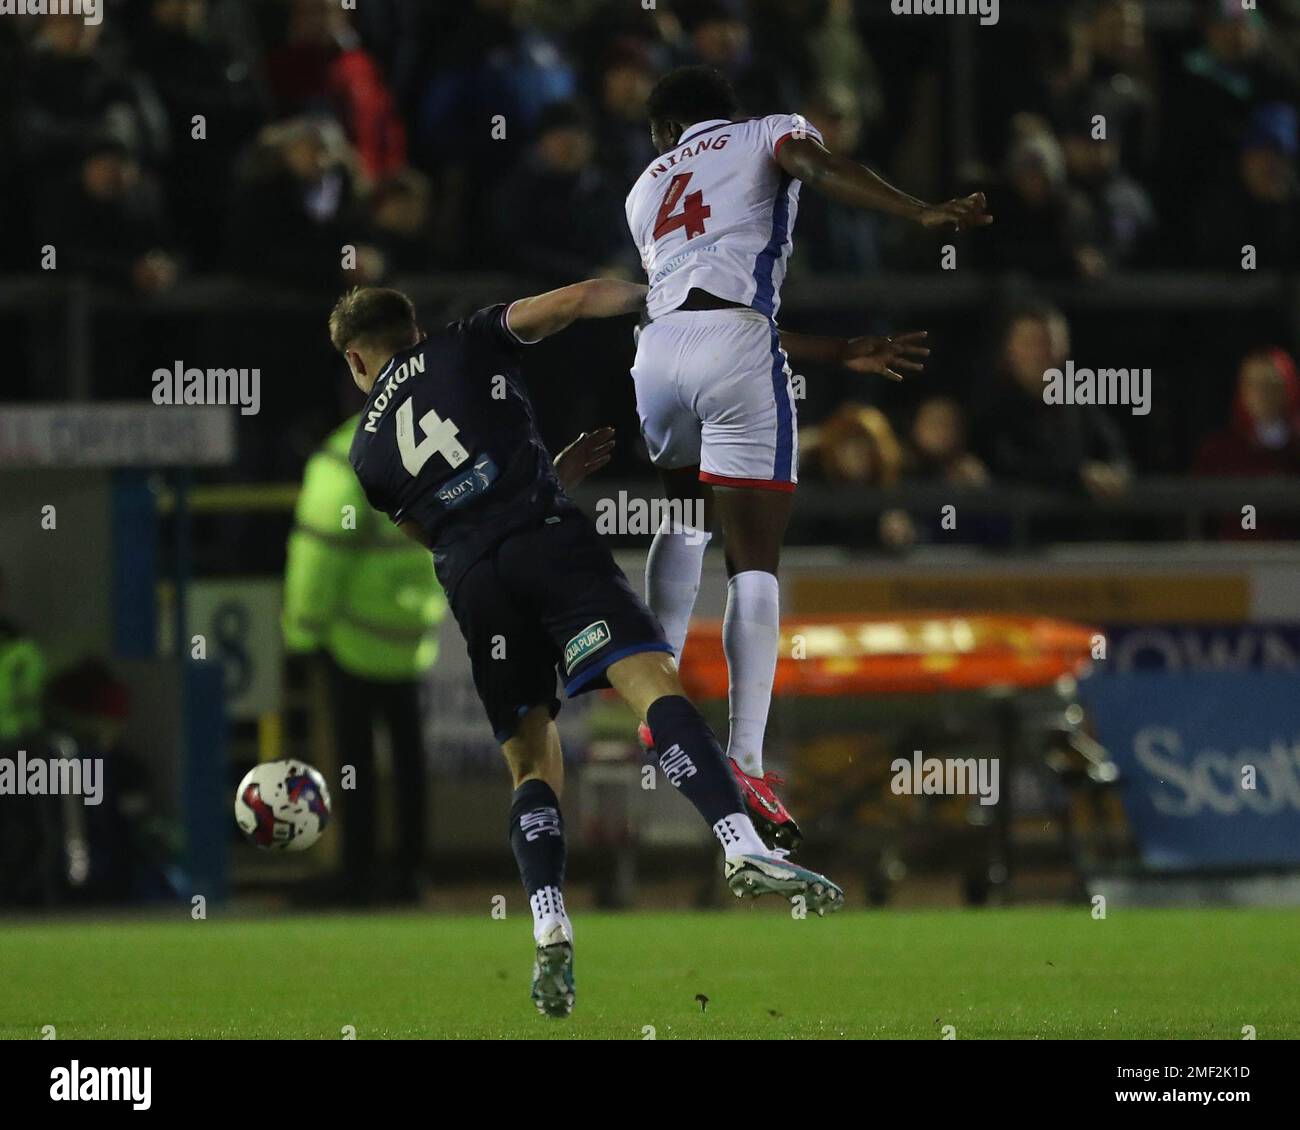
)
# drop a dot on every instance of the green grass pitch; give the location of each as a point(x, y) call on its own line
point(992, 974)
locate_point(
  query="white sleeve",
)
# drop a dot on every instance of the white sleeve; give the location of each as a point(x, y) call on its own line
point(780, 128)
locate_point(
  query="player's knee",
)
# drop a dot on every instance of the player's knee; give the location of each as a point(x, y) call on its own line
point(524, 768)
point(531, 752)
point(749, 557)
point(541, 770)
point(748, 549)
point(644, 678)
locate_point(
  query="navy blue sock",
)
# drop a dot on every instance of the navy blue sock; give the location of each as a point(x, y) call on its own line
point(691, 758)
point(537, 836)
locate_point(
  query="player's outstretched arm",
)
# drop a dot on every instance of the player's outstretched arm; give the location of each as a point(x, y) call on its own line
point(532, 319)
point(888, 356)
point(857, 186)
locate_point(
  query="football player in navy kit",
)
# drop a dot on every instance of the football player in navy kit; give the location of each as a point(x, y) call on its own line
point(447, 446)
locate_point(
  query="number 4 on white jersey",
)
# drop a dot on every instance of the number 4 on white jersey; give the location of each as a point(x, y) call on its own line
point(439, 439)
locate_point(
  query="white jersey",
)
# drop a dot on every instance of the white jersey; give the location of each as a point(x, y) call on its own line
point(717, 213)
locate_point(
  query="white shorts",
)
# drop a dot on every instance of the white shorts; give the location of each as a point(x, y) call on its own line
point(713, 391)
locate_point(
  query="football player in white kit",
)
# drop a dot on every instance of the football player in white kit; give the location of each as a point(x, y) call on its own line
point(713, 218)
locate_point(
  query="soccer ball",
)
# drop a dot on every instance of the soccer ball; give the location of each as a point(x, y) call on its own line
point(282, 805)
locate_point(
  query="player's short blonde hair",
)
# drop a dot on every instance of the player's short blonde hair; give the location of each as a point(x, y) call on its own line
point(373, 316)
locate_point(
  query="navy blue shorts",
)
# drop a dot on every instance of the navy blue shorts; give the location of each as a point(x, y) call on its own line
point(548, 601)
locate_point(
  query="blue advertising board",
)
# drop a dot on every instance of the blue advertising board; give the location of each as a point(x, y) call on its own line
point(1261, 646)
point(1188, 745)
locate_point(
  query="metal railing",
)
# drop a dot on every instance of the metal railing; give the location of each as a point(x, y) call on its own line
point(61, 313)
point(1159, 508)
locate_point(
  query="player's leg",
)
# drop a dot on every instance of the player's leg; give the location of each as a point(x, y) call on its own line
point(537, 840)
point(687, 751)
point(754, 522)
point(690, 757)
point(676, 559)
point(512, 661)
point(401, 706)
point(672, 435)
point(604, 635)
point(352, 714)
point(750, 455)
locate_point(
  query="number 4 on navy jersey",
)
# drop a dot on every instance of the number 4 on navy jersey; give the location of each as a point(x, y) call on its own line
point(440, 439)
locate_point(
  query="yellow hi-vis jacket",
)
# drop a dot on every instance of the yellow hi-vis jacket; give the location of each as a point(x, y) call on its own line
point(354, 584)
point(22, 679)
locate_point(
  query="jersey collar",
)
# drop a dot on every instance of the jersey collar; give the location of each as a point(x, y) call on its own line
point(382, 377)
point(702, 127)
point(384, 373)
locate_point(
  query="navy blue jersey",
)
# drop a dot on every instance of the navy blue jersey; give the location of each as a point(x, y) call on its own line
point(448, 440)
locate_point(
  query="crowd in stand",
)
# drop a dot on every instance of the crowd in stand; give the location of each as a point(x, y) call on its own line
point(180, 139)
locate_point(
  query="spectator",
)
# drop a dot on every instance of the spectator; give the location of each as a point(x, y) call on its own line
point(489, 55)
point(833, 238)
point(72, 88)
point(1118, 216)
point(1263, 439)
point(1053, 81)
point(820, 44)
point(1258, 205)
point(717, 34)
point(622, 130)
point(1093, 62)
point(196, 75)
point(296, 207)
point(857, 447)
point(405, 41)
point(493, 79)
point(1264, 436)
point(937, 448)
point(1041, 221)
point(108, 222)
point(400, 209)
point(839, 59)
point(591, 27)
point(559, 218)
point(1120, 83)
point(1236, 69)
point(937, 452)
point(1024, 439)
point(322, 68)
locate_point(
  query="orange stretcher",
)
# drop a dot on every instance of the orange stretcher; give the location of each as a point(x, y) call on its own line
point(924, 653)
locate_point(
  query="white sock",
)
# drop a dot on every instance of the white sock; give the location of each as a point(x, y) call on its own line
point(548, 910)
point(737, 836)
point(751, 634)
point(672, 578)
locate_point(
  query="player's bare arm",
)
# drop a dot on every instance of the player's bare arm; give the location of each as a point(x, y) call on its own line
point(857, 186)
point(891, 357)
point(532, 319)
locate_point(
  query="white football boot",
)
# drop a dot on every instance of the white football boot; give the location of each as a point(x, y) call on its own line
point(754, 875)
point(553, 971)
